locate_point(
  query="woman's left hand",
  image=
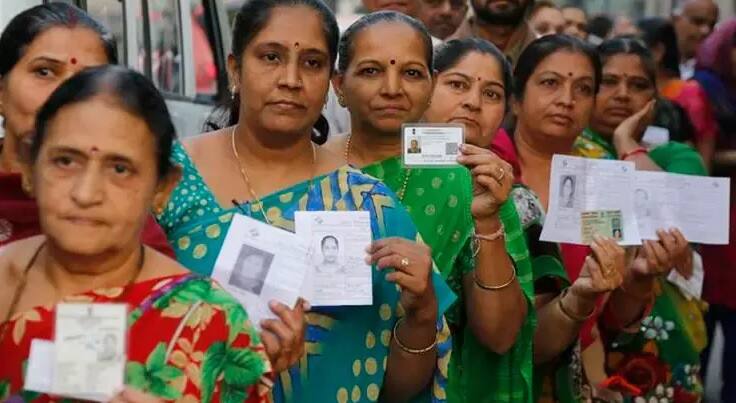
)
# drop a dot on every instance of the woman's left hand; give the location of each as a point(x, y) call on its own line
point(492, 180)
point(283, 338)
point(412, 264)
point(130, 395)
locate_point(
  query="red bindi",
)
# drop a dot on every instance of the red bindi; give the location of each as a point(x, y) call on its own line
point(73, 60)
point(95, 149)
point(393, 61)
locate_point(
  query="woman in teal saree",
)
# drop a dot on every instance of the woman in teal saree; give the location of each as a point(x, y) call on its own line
point(395, 348)
point(385, 79)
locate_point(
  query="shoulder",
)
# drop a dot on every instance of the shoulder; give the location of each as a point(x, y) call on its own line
point(200, 147)
point(15, 256)
point(679, 158)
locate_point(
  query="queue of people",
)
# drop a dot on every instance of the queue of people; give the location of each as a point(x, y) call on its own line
point(103, 205)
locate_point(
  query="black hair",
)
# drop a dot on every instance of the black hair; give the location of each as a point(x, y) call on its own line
point(23, 29)
point(129, 89)
point(249, 21)
point(601, 26)
point(449, 54)
point(627, 45)
point(346, 48)
point(660, 31)
point(326, 238)
point(544, 47)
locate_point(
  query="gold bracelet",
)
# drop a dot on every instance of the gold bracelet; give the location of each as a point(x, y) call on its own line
point(500, 233)
point(569, 314)
point(493, 287)
point(412, 350)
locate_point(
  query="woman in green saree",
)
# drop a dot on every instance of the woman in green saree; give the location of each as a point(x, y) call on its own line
point(393, 349)
point(667, 348)
point(471, 77)
point(385, 79)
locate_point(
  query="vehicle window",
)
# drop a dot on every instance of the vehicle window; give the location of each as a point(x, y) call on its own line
point(205, 66)
point(110, 13)
point(164, 44)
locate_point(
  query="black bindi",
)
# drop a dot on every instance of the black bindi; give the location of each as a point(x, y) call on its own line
point(393, 61)
point(296, 44)
point(569, 74)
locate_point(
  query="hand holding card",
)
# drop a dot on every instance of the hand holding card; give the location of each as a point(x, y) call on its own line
point(492, 179)
point(431, 145)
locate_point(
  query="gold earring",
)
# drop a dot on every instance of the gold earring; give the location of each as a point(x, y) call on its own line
point(341, 100)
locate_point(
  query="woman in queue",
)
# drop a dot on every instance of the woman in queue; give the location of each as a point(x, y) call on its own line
point(673, 334)
point(42, 47)
point(554, 90)
point(385, 79)
point(660, 37)
point(474, 86)
point(265, 165)
point(94, 193)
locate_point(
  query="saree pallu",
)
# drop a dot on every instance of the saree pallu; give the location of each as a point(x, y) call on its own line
point(347, 347)
point(439, 201)
point(663, 358)
point(561, 379)
point(188, 340)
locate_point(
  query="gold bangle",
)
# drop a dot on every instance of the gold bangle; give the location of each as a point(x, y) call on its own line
point(412, 350)
point(493, 287)
point(569, 314)
point(500, 233)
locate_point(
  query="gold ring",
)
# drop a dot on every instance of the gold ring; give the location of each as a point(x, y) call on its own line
point(405, 262)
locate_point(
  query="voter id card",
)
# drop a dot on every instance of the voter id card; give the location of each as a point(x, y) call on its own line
point(431, 145)
point(89, 349)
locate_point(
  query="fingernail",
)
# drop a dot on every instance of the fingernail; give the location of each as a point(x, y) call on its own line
point(368, 260)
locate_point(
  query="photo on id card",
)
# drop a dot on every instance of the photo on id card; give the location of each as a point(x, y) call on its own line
point(431, 145)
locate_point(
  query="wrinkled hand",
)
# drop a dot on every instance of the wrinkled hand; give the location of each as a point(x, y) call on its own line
point(130, 395)
point(603, 270)
point(283, 338)
point(412, 264)
point(628, 134)
point(656, 258)
point(492, 179)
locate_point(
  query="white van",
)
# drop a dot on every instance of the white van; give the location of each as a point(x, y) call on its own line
point(179, 44)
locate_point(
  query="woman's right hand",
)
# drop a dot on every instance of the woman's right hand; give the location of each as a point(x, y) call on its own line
point(603, 270)
point(628, 134)
point(284, 337)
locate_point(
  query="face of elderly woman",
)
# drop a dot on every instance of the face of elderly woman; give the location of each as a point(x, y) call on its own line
point(95, 177)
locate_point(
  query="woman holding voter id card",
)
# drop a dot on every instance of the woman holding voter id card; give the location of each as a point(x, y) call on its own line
point(622, 112)
point(90, 313)
point(264, 167)
point(385, 78)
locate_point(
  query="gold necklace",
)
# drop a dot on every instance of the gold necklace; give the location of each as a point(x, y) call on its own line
point(407, 171)
point(246, 180)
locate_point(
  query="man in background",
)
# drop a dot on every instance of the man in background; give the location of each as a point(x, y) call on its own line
point(442, 17)
point(576, 22)
point(501, 22)
point(694, 21)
